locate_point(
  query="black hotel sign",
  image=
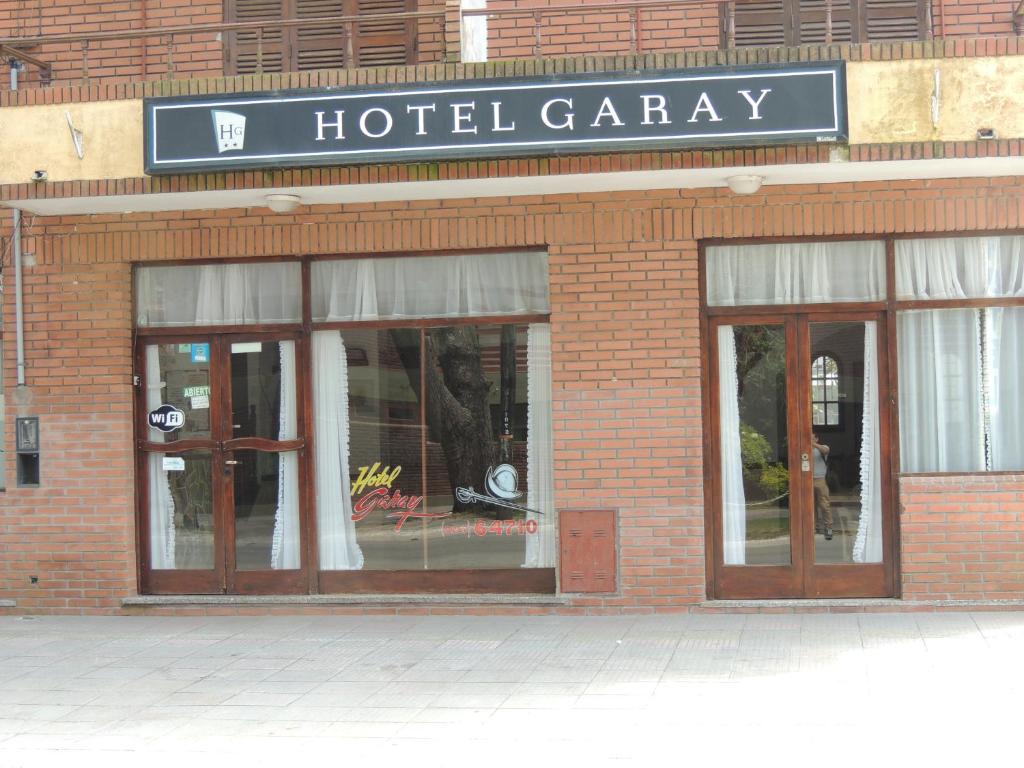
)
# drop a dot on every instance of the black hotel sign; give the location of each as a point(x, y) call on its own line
point(498, 118)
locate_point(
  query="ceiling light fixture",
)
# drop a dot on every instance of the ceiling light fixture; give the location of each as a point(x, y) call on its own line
point(745, 184)
point(282, 203)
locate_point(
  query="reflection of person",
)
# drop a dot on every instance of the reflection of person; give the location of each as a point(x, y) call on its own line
point(822, 500)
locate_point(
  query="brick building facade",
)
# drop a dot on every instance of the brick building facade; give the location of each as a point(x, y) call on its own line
point(635, 337)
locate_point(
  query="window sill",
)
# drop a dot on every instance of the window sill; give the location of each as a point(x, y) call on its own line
point(141, 601)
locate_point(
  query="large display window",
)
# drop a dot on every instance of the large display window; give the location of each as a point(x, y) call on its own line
point(396, 438)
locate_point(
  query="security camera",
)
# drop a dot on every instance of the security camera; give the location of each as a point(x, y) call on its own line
point(40, 175)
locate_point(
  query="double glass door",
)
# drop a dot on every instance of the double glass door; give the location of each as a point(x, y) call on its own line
point(800, 481)
point(221, 458)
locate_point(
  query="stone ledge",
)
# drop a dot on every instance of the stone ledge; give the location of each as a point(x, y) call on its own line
point(8, 603)
point(235, 601)
point(855, 605)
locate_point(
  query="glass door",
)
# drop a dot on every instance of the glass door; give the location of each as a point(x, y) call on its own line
point(178, 458)
point(262, 449)
point(798, 483)
point(221, 465)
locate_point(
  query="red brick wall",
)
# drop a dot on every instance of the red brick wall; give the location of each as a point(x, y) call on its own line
point(626, 358)
point(119, 61)
point(72, 534)
point(691, 27)
point(115, 60)
point(963, 537)
point(972, 19)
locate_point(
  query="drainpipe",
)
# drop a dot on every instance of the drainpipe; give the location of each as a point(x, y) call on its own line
point(19, 313)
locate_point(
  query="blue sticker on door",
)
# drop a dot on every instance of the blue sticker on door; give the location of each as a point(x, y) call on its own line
point(200, 353)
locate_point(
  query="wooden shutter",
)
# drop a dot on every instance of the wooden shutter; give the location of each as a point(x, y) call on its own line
point(321, 47)
point(799, 22)
point(241, 50)
point(894, 20)
point(373, 43)
point(813, 16)
point(763, 23)
point(384, 42)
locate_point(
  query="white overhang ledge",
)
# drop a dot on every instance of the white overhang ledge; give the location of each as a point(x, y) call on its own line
point(696, 178)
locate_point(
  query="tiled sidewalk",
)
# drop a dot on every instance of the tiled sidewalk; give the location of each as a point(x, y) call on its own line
point(729, 690)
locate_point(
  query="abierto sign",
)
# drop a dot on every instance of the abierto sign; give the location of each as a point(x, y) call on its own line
point(490, 118)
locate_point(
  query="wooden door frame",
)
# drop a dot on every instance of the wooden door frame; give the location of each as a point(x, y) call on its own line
point(266, 581)
point(224, 578)
point(837, 580)
point(174, 581)
point(782, 580)
point(803, 578)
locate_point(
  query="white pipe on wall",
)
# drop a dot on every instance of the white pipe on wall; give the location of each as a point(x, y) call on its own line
point(19, 312)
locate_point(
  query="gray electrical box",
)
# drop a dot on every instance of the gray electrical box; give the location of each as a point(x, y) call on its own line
point(26, 430)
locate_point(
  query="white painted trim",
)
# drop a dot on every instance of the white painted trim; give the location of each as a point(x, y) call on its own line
point(474, 32)
point(697, 178)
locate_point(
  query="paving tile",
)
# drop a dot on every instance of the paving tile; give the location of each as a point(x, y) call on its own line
point(460, 690)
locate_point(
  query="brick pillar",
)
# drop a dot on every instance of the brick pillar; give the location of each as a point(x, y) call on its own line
point(452, 31)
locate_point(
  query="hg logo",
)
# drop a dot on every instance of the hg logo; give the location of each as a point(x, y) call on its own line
point(229, 130)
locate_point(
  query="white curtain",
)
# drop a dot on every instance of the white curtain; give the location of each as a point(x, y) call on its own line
point(219, 294)
point(339, 550)
point(941, 423)
point(867, 547)
point(795, 273)
point(734, 504)
point(161, 503)
point(1004, 349)
point(430, 286)
point(284, 552)
point(540, 485)
point(960, 268)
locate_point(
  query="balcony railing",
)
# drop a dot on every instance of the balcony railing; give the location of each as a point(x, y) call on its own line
point(14, 47)
point(632, 18)
point(633, 10)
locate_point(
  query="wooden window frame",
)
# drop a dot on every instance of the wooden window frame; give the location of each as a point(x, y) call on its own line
point(826, 427)
point(312, 580)
point(890, 427)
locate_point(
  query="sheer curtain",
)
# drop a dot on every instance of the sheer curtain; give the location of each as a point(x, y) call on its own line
point(941, 425)
point(795, 273)
point(339, 550)
point(1005, 353)
point(540, 486)
point(431, 286)
point(966, 397)
point(219, 294)
point(285, 549)
point(960, 268)
point(734, 504)
point(867, 547)
point(161, 503)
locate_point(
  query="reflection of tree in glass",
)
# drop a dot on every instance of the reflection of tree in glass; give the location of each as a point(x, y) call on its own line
point(458, 412)
point(191, 491)
point(761, 381)
point(458, 397)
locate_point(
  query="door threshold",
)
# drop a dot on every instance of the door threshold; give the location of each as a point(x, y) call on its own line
point(138, 601)
point(852, 605)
